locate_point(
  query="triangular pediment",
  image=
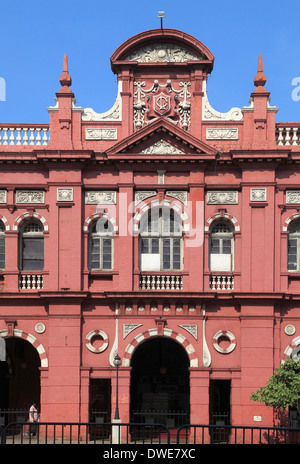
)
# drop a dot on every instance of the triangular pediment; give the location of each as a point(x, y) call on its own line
point(161, 138)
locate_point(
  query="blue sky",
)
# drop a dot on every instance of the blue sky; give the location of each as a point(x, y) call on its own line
point(34, 36)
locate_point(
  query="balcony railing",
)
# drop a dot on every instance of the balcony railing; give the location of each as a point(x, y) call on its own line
point(31, 281)
point(161, 282)
point(221, 282)
point(288, 134)
point(37, 134)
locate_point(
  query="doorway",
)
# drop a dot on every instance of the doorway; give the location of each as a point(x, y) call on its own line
point(100, 401)
point(19, 380)
point(219, 406)
point(160, 390)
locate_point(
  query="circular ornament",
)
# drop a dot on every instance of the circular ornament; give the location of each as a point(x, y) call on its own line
point(40, 328)
point(289, 329)
point(224, 336)
point(96, 334)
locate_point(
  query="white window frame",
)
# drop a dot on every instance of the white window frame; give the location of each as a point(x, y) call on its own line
point(2, 237)
point(101, 235)
point(34, 235)
point(294, 235)
point(221, 262)
point(160, 231)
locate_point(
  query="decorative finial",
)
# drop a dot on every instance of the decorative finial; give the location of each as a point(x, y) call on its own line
point(260, 79)
point(161, 15)
point(65, 78)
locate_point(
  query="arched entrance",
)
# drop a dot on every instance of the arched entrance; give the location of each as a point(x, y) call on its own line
point(160, 383)
point(19, 379)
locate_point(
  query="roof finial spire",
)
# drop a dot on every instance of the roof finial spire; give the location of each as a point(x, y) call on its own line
point(260, 79)
point(65, 78)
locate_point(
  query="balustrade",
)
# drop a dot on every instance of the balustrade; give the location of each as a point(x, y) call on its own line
point(287, 135)
point(31, 281)
point(221, 282)
point(161, 282)
point(29, 135)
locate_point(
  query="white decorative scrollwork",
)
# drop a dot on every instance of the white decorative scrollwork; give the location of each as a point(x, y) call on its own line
point(139, 104)
point(100, 197)
point(258, 194)
point(127, 328)
point(293, 197)
point(176, 109)
point(114, 114)
point(108, 133)
point(160, 52)
point(64, 194)
point(190, 328)
point(141, 196)
point(161, 148)
point(3, 196)
point(230, 133)
point(206, 356)
point(179, 195)
point(222, 198)
point(30, 196)
point(210, 114)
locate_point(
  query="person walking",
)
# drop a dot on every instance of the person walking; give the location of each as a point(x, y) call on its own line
point(33, 419)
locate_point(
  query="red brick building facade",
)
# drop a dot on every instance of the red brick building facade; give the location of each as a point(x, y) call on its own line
point(161, 230)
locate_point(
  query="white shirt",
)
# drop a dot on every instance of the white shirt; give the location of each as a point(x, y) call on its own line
point(33, 414)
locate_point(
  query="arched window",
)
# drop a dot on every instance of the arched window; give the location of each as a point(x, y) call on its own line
point(160, 246)
point(293, 253)
point(32, 246)
point(2, 245)
point(101, 245)
point(221, 247)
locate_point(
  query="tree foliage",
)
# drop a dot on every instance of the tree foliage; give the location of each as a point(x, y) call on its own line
point(283, 388)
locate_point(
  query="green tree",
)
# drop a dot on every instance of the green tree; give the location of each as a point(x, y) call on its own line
point(283, 388)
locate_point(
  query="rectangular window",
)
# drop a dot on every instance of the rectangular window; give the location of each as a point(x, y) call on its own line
point(101, 253)
point(2, 253)
point(33, 254)
point(215, 246)
point(107, 253)
point(292, 255)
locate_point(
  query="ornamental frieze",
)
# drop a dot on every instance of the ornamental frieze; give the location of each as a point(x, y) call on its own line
point(222, 198)
point(160, 52)
point(3, 196)
point(94, 197)
point(30, 196)
point(222, 133)
point(101, 134)
point(293, 197)
point(161, 148)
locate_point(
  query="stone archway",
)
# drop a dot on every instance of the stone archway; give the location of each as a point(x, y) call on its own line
point(159, 385)
point(20, 373)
